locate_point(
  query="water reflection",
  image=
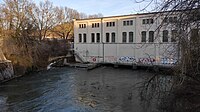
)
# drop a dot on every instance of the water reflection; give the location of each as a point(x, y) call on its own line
point(105, 89)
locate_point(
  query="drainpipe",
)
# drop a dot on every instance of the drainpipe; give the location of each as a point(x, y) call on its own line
point(102, 38)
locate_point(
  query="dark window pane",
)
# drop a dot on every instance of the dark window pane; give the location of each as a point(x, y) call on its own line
point(130, 36)
point(84, 38)
point(92, 25)
point(107, 24)
point(151, 36)
point(98, 37)
point(148, 21)
point(165, 20)
point(143, 21)
point(143, 36)
point(151, 21)
point(124, 36)
point(113, 23)
point(80, 38)
point(110, 23)
point(127, 22)
point(113, 37)
point(92, 37)
point(165, 36)
point(174, 36)
point(107, 37)
point(97, 24)
point(124, 23)
point(131, 22)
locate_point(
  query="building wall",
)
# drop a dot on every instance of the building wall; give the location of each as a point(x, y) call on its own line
point(124, 51)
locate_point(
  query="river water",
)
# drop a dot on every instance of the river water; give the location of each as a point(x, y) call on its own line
point(105, 89)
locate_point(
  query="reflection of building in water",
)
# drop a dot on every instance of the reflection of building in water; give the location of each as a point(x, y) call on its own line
point(127, 39)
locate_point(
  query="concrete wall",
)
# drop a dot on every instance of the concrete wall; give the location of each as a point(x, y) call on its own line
point(136, 52)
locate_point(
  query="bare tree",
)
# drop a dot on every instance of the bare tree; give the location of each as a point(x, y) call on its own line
point(184, 93)
point(65, 19)
point(44, 17)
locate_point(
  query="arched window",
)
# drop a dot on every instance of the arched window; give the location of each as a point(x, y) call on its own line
point(80, 38)
point(165, 36)
point(143, 36)
point(130, 36)
point(113, 37)
point(151, 36)
point(124, 36)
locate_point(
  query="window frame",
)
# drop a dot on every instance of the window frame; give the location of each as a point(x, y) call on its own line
point(124, 37)
point(151, 37)
point(92, 37)
point(113, 35)
point(131, 36)
point(84, 38)
point(165, 37)
point(143, 36)
point(107, 37)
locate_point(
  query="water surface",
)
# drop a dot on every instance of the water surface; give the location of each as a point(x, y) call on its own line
point(105, 89)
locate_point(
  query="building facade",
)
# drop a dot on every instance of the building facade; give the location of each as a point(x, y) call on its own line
point(128, 39)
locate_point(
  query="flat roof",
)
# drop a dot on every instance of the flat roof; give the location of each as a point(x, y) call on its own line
point(120, 16)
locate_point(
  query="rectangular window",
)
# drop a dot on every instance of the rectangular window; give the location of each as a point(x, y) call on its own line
point(124, 36)
point(82, 25)
point(148, 21)
point(92, 38)
point(113, 37)
point(98, 37)
point(165, 20)
point(110, 24)
point(107, 24)
point(151, 36)
point(127, 22)
point(84, 38)
point(165, 36)
point(130, 36)
point(124, 23)
point(151, 21)
point(80, 38)
point(92, 25)
point(131, 22)
point(107, 37)
point(144, 21)
point(143, 36)
point(174, 36)
point(113, 23)
point(97, 24)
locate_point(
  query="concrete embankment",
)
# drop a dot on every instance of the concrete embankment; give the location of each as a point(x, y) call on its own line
point(6, 70)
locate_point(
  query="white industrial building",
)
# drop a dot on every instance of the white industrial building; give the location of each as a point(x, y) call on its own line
point(126, 39)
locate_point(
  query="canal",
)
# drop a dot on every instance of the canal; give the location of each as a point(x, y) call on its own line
point(105, 89)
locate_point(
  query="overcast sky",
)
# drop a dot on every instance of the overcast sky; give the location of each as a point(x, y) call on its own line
point(106, 7)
